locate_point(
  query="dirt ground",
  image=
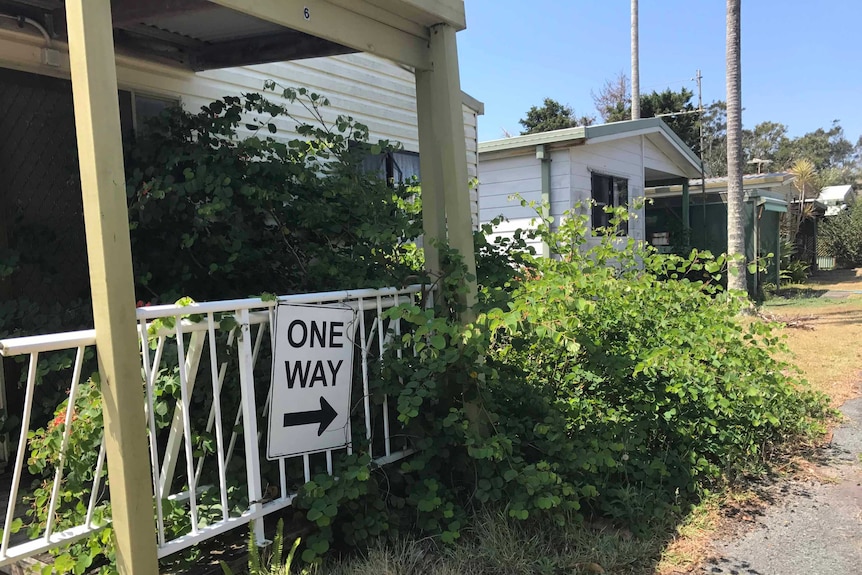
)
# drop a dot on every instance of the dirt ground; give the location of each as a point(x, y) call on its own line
point(811, 520)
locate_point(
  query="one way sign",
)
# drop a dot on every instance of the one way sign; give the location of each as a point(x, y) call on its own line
point(312, 373)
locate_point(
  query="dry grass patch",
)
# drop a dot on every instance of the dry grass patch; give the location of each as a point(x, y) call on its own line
point(830, 353)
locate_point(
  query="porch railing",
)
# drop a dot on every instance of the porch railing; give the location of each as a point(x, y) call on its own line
point(206, 372)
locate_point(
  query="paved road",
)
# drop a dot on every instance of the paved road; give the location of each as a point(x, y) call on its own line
point(816, 527)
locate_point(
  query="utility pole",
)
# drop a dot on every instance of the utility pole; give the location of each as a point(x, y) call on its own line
point(699, 78)
point(636, 81)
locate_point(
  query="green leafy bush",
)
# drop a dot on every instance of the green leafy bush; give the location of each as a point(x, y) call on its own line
point(793, 270)
point(215, 215)
point(841, 236)
point(609, 382)
point(75, 489)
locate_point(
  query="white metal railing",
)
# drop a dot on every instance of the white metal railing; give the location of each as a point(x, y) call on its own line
point(197, 492)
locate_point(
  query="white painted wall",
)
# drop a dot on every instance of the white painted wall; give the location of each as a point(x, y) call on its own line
point(519, 172)
point(376, 92)
point(621, 158)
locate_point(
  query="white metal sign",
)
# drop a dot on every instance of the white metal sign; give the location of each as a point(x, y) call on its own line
point(312, 373)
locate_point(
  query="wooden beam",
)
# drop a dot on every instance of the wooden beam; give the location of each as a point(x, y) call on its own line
point(100, 152)
point(129, 12)
point(288, 45)
point(340, 25)
point(440, 92)
point(375, 12)
point(428, 12)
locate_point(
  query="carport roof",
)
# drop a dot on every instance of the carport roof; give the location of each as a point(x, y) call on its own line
point(204, 34)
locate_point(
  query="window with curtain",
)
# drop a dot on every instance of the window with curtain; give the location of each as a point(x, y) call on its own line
point(395, 167)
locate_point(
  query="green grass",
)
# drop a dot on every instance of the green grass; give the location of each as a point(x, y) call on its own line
point(807, 296)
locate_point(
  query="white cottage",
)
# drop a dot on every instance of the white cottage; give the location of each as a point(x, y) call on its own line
point(608, 165)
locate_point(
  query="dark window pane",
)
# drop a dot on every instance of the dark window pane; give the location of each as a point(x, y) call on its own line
point(147, 107)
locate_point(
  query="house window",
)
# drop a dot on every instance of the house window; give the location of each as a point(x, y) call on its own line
point(147, 107)
point(396, 168)
point(136, 109)
point(608, 191)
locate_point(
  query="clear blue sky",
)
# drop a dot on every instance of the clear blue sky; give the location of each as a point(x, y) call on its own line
point(801, 60)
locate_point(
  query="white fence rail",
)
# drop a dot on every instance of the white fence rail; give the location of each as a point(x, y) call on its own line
point(207, 375)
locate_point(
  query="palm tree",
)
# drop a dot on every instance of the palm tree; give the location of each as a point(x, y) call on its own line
point(735, 220)
point(806, 185)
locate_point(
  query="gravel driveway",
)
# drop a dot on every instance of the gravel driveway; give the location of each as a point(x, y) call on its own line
point(814, 527)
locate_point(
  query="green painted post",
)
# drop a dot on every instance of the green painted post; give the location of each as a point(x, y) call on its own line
point(686, 213)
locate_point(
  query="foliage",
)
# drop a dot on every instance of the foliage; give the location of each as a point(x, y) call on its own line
point(552, 115)
point(715, 138)
point(832, 154)
point(792, 270)
point(805, 185)
point(607, 379)
point(841, 236)
point(609, 382)
point(273, 561)
point(215, 215)
point(684, 124)
point(614, 98)
point(825, 148)
point(79, 470)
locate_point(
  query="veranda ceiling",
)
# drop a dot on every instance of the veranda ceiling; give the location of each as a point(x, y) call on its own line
point(204, 34)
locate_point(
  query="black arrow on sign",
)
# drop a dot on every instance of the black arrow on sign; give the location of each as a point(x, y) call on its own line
point(324, 416)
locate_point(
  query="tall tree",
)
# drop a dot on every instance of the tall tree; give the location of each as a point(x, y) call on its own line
point(614, 99)
point(715, 138)
point(764, 142)
point(675, 107)
point(824, 148)
point(552, 115)
point(735, 220)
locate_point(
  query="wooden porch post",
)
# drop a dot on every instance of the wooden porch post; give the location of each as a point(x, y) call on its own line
point(431, 168)
point(441, 133)
point(97, 122)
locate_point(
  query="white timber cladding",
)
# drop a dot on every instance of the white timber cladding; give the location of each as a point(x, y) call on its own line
point(374, 91)
point(504, 174)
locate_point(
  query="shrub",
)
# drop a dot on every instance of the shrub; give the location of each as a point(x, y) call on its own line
point(611, 380)
point(608, 382)
point(216, 216)
point(841, 236)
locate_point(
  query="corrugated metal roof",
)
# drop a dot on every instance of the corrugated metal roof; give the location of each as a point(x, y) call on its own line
point(213, 25)
point(749, 182)
point(204, 34)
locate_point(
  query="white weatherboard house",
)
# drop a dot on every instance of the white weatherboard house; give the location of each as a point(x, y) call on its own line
point(608, 164)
